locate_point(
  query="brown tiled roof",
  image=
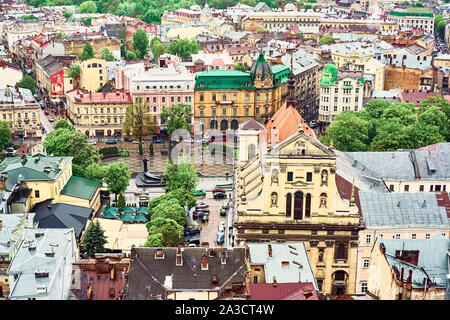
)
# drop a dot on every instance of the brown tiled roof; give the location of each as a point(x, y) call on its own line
point(283, 291)
point(286, 120)
point(416, 97)
point(252, 125)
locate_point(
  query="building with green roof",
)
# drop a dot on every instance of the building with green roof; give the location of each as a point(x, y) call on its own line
point(224, 99)
point(414, 18)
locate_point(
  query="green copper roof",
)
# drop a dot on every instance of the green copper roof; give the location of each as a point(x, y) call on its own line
point(260, 68)
point(80, 188)
point(280, 74)
point(413, 11)
point(33, 168)
point(223, 80)
point(329, 75)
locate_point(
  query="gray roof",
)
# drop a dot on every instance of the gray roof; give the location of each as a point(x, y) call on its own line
point(8, 233)
point(149, 276)
point(387, 165)
point(403, 57)
point(27, 262)
point(292, 253)
point(432, 257)
point(409, 210)
point(435, 156)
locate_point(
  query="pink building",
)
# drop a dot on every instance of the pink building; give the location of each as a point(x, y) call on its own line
point(211, 61)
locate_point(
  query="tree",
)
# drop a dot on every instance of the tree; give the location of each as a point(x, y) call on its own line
point(95, 171)
point(433, 116)
point(154, 240)
point(63, 124)
point(67, 14)
point(130, 55)
point(141, 149)
point(170, 209)
point(177, 116)
point(183, 47)
point(117, 177)
point(121, 202)
point(108, 55)
point(181, 175)
point(88, 52)
point(88, 7)
point(171, 232)
point(349, 132)
point(68, 142)
point(376, 107)
point(391, 136)
point(184, 197)
point(150, 149)
point(155, 41)
point(27, 82)
point(239, 66)
point(159, 50)
point(94, 239)
point(5, 134)
point(140, 43)
point(137, 121)
point(77, 170)
point(326, 39)
point(152, 16)
point(60, 34)
point(74, 71)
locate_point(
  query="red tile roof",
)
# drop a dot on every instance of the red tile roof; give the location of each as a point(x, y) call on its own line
point(286, 120)
point(82, 96)
point(416, 97)
point(283, 291)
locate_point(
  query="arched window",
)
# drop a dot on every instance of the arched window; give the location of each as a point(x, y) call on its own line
point(308, 206)
point(298, 205)
point(251, 151)
point(247, 97)
point(202, 97)
point(288, 205)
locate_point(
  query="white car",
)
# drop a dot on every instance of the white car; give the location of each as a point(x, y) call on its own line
point(202, 205)
point(51, 119)
point(221, 227)
point(93, 142)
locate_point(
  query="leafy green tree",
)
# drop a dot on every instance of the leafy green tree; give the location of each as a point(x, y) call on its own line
point(154, 41)
point(130, 55)
point(433, 116)
point(60, 34)
point(68, 142)
point(67, 14)
point(184, 197)
point(181, 175)
point(88, 7)
point(154, 240)
point(87, 21)
point(137, 121)
point(159, 50)
point(77, 170)
point(63, 124)
point(5, 134)
point(422, 134)
point(171, 232)
point(376, 107)
point(123, 52)
point(326, 39)
point(141, 149)
point(391, 136)
point(140, 43)
point(183, 47)
point(94, 239)
point(108, 55)
point(170, 209)
point(117, 177)
point(88, 52)
point(177, 116)
point(95, 171)
point(27, 82)
point(239, 66)
point(349, 132)
point(74, 71)
point(401, 111)
point(150, 149)
point(121, 202)
point(152, 16)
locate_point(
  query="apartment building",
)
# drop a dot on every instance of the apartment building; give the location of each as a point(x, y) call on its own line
point(414, 18)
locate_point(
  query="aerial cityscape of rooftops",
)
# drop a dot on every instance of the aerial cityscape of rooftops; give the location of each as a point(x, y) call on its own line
point(224, 150)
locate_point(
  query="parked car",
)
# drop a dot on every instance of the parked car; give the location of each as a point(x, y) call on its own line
point(42, 106)
point(192, 245)
point(218, 190)
point(159, 140)
point(202, 205)
point(51, 119)
point(136, 141)
point(220, 195)
point(220, 238)
point(199, 192)
point(193, 240)
point(199, 213)
point(46, 112)
point(205, 218)
point(111, 142)
point(93, 142)
point(128, 139)
point(192, 232)
point(223, 212)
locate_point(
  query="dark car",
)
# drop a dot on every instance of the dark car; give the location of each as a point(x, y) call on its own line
point(205, 218)
point(192, 232)
point(158, 141)
point(197, 214)
point(223, 212)
point(220, 195)
point(220, 238)
point(46, 112)
point(128, 139)
point(193, 240)
point(111, 142)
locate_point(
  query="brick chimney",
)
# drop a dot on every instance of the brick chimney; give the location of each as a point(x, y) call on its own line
point(409, 280)
point(269, 247)
point(204, 262)
point(274, 282)
point(401, 274)
point(1, 225)
point(179, 260)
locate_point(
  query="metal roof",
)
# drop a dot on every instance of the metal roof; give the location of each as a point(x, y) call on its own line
point(79, 187)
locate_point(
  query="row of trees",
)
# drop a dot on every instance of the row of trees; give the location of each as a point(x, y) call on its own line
point(385, 126)
point(439, 24)
point(181, 47)
point(168, 212)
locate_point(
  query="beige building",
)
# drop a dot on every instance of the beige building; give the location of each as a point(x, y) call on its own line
point(278, 19)
point(93, 74)
point(10, 74)
point(376, 69)
point(98, 114)
point(18, 106)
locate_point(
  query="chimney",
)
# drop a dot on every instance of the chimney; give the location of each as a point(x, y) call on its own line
point(159, 254)
point(204, 262)
point(274, 281)
point(1, 225)
point(401, 274)
point(133, 252)
point(179, 261)
point(408, 281)
point(269, 247)
point(223, 257)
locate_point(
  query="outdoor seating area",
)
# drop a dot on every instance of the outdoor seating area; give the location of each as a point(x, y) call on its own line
point(127, 214)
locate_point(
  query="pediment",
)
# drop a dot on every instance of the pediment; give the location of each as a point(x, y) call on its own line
point(298, 183)
point(302, 144)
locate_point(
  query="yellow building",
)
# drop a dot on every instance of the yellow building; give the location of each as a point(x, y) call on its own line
point(48, 177)
point(93, 74)
point(286, 191)
point(98, 114)
point(229, 98)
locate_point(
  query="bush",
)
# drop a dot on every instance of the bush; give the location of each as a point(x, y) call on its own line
point(141, 149)
point(108, 150)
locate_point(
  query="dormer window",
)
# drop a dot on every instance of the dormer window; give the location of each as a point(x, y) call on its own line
point(159, 254)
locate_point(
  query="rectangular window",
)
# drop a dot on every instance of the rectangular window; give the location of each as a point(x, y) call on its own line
point(366, 262)
point(224, 111)
point(36, 193)
point(154, 99)
point(257, 111)
point(421, 187)
point(437, 187)
point(255, 279)
point(431, 188)
point(319, 284)
point(363, 287)
point(290, 176)
point(413, 236)
point(406, 188)
point(368, 238)
point(391, 187)
point(247, 111)
point(172, 99)
point(397, 236)
point(309, 176)
point(427, 236)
